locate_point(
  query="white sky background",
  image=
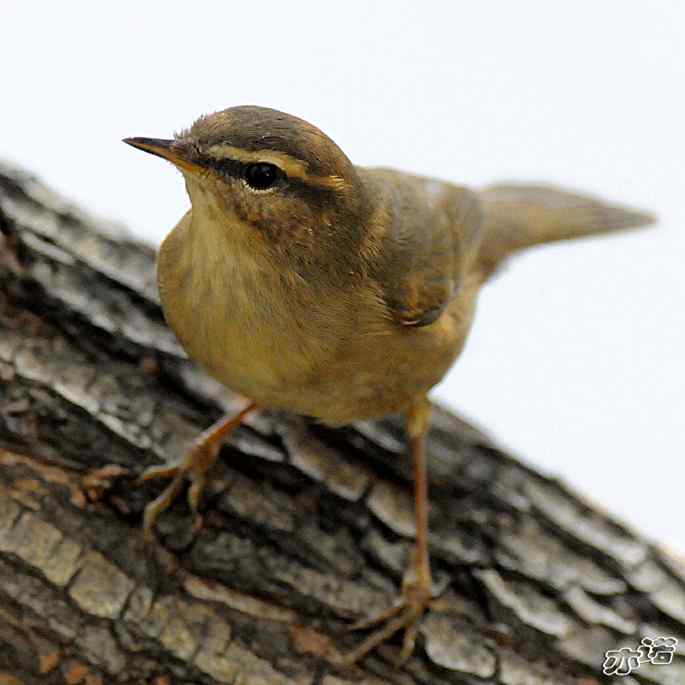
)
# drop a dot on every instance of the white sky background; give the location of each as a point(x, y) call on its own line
point(576, 361)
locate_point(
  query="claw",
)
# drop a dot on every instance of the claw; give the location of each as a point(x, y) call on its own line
point(410, 633)
point(195, 464)
point(154, 472)
point(161, 503)
point(404, 615)
point(381, 617)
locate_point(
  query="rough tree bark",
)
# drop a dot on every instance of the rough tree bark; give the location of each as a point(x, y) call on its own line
point(306, 528)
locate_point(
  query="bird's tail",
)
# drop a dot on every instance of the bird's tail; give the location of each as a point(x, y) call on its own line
point(518, 216)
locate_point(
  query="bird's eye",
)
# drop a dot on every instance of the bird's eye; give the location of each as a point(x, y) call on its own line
point(261, 175)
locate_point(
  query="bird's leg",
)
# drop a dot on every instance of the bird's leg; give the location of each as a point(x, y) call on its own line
point(194, 463)
point(416, 595)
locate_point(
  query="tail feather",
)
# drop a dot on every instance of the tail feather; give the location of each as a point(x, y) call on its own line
point(518, 216)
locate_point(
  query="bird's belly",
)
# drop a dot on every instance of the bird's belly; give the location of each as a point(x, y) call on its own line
point(361, 379)
point(338, 366)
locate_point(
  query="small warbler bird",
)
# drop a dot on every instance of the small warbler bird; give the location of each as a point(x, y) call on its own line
point(308, 284)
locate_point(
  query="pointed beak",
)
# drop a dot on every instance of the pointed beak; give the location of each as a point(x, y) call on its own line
point(173, 150)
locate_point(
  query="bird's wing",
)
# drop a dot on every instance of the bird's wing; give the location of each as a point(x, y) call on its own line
point(430, 234)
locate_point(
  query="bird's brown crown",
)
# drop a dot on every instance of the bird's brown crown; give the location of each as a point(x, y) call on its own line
point(233, 138)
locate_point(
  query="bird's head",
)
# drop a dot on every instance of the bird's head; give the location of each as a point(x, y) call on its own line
point(270, 177)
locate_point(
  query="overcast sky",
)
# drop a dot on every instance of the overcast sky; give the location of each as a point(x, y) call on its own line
point(575, 361)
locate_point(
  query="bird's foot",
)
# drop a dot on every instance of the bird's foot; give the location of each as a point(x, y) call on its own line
point(405, 615)
point(194, 465)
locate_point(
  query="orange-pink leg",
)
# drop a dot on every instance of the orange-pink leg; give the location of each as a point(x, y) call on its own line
point(416, 594)
point(194, 463)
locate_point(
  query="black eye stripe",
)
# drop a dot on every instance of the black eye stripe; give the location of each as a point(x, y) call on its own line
point(241, 170)
point(228, 167)
point(236, 169)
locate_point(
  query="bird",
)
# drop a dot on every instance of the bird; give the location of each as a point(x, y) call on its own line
point(342, 293)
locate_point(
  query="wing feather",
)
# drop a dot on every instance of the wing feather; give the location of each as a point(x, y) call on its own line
point(431, 237)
